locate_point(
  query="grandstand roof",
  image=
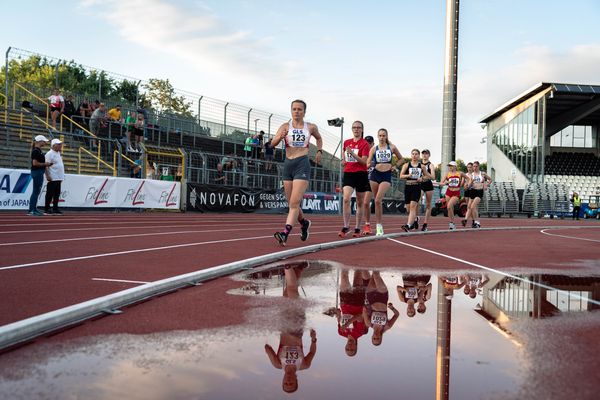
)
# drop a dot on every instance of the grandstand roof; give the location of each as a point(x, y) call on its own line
point(574, 99)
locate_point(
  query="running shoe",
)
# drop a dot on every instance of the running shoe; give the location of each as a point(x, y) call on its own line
point(304, 230)
point(379, 230)
point(47, 212)
point(405, 227)
point(356, 233)
point(57, 212)
point(476, 224)
point(464, 223)
point(344, 232)
point(366, 230)
point(281, 238)
point(424, 228)
point(36, 213)
point(451, 226)
point(416, 224)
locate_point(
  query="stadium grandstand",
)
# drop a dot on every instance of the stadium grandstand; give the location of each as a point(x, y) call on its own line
point(545, 141)
point(199, 143)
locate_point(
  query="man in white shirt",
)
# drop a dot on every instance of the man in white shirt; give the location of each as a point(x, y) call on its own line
point(55, 174)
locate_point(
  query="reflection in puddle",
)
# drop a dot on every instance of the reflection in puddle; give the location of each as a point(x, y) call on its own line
point(321, 331)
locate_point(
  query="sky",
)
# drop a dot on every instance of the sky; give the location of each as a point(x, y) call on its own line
point(380, 62)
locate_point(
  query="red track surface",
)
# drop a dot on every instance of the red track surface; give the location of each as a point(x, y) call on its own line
point(148, 247)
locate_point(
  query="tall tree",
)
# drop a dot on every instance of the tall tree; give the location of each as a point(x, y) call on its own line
point(162, 97)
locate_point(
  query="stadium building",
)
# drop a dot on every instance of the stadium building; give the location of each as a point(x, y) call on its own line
point(547, 139)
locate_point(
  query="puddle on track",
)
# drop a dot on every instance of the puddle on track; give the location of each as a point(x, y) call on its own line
point(471, 336)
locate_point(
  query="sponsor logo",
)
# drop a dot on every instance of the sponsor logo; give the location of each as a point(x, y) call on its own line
point(98, 195)
point(136, 196)
point(169, 199)
point(20, 185)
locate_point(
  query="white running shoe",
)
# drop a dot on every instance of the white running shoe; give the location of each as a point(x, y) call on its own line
point(379, 230)
point(451, 226)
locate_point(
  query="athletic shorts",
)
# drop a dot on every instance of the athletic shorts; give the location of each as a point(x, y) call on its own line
point(357, 180)
point(468, 192)
point(373, 296)
point(474, 193)
point(52, 109)
point(378, 176)
point(412, 193)
point(296, 168)
point(451, 193)
point(427, 186)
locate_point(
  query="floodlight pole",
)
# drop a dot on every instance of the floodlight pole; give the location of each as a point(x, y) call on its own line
point(6, 75)
point(450, 85)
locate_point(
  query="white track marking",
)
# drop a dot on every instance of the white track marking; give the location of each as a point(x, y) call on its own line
point(118, 280)
point(148, 249)
point(460, 260)
point(567, 237)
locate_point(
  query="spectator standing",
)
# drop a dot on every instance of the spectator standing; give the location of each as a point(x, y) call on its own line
point(57, 106)
point(38, 167)
point(259, 144)
point(98, 119)
point(248, 146)
point(129, 127)
point(115, 114)
point(55, 174)
point(269, 155)
point(138, 130)
point(69, 110)
point(576, 200)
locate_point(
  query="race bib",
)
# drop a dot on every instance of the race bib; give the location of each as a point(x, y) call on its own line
point(412, 293)
point(345, 318)
point(298, 138)
point(291, 355)
point(378, 318)
point(383, 156)
point(415, 173)
point(453, 182)
point(350, 158)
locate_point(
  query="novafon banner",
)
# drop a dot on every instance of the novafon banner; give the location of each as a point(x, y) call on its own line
point(91, 192)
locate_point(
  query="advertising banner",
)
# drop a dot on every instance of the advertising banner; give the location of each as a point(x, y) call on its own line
point(85, 191)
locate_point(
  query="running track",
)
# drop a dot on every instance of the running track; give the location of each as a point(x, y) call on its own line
point(51, 262)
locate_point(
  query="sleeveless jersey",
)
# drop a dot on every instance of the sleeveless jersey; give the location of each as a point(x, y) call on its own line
point(453, 181)
point(383, 156)
point(415, 172)
point(290, 355)
point(477, 179)
point(297, 137)
point(379, 318)
point(411, 293)
point(428, 168)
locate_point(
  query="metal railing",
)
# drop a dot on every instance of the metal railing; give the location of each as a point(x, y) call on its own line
point(30, 93)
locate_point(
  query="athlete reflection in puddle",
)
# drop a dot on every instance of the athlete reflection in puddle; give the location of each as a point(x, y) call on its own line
point(375, 312)
point(474, 283)
point(290, 354)
point(451, 283)
point(349, 316)
point(416, 290)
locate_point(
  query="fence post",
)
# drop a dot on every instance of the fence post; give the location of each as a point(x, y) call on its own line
point(6, 77)
point(224, 129)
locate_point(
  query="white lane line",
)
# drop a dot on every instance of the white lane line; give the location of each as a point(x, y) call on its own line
point(148, 249)
point(254, 228)
point(567, 237)
point(525, 280)
point(121, 227)
point(119, 280)
point(118, 253)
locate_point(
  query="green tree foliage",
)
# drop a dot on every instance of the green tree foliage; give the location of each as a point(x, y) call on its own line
point(41, 75)
point(161, 96)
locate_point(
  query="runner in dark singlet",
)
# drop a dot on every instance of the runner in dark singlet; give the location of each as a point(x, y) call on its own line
point(427, 186)
point(416, 290)
point(414, 172)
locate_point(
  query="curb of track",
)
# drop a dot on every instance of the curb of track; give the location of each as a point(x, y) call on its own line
point(28, 329)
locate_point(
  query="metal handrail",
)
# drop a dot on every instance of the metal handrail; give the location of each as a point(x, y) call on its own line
point(32, 94)
point(97, 158)
point(76, 124)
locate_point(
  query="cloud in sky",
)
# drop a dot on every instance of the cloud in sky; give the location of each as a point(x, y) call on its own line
point(260, 70)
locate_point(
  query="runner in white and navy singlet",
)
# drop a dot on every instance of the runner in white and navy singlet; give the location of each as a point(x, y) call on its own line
point(296, 168)
point(381, 176)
